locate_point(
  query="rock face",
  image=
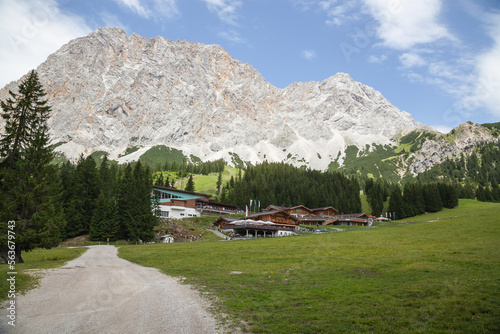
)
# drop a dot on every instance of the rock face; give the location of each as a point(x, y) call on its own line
point(463, 139)
point(109, 91)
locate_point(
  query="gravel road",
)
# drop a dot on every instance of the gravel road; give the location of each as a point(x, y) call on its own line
point(101, 293)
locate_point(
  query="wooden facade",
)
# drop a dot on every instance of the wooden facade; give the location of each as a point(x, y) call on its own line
point(278, 217)
point(328, 211)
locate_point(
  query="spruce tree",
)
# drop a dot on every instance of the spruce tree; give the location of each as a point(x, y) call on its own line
point(83, 197)
point(190, 184)
point(396, 204)
point(30, 189)
point(432, 198)
point(219, 182)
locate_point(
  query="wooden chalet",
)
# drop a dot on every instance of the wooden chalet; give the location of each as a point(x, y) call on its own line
point(299, 210)
point(274, 208)
point(328, 211)
point(277, 217)
point(354, 219)
point(245, 227)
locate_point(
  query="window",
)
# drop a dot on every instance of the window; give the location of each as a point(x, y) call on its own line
point(164, 214)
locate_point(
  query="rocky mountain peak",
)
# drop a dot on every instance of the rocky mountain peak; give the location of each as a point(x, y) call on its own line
point(110, 91)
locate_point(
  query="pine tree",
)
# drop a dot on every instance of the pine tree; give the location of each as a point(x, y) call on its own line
point(219, 182)
point(396, 203)
point(83, 197)
point(30, 189)
point(99, 218)
point(432, 198)
point(190, 184)
point(159, 180)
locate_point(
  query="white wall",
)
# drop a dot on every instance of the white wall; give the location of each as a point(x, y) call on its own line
point(177, 212)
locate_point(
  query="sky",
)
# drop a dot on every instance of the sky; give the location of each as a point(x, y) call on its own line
point(439, 60)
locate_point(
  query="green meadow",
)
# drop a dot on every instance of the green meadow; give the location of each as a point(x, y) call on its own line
point(37, 259)
point(427, 276)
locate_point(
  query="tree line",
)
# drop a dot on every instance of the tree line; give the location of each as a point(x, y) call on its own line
point(413, 199)
point(41, 203)
point(107, 201)
point(196, 167)
point(285, 185)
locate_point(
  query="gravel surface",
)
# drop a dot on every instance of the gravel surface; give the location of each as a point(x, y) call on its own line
point(101, 293)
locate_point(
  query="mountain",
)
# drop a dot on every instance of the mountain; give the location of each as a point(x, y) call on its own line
point(422, 151)
point(117, 93)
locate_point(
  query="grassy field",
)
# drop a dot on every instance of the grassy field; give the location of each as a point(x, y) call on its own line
point(36, 259)
point(441, 276)
point(207, 184)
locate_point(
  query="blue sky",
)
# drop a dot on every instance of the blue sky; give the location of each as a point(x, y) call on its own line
point(436, 59)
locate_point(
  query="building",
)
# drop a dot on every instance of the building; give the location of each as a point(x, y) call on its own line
point(306, 216)
point(175, 203)
point(277, 217)
point(328, 211)
point(354, 219)
point(246, 227)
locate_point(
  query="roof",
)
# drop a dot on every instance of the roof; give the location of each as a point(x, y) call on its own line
point(353, 215)
point(212, 202)
point(324, 209)
point(255, 215)
point(275, 207)
point(182, 191)
point(298, 206)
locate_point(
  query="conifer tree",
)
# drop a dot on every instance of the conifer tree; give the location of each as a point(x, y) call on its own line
point(432, 197)
point(396, 203)
point(190, 184)
point(219, 182)
point(83, 197)
point(30, 189)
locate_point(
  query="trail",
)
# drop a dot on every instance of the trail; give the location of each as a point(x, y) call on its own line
point(101, 293)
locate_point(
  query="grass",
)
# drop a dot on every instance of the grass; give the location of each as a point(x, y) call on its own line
point(207, 184)
point(36, 259)
point(427, 277)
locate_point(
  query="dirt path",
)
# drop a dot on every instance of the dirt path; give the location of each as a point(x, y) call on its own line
point(101, 293)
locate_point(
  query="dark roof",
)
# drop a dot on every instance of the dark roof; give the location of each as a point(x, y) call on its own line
point(182, 191)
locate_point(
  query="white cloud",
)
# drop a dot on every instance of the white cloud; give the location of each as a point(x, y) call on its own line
point(31, 31)
point(405, 24)
point(165, 8)
point(226, 10)
point(135, 6)
point(340, 13)
point(442, 128)
point(377, 59)
point(309, 54)
point(232, 36)
point(157, 9)
point(111, 20)
point(409, 60)
point(487, 86)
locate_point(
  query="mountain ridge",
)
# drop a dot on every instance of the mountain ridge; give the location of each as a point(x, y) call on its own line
point(110, 91)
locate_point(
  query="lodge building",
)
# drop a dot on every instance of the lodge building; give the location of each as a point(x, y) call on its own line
point(175, 203)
